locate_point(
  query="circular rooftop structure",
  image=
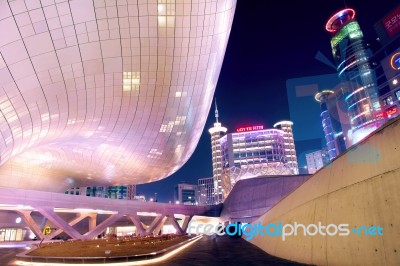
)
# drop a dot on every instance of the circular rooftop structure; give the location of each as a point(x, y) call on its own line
point(283, 122)
point(339, 19)
point(323, 95)
point(395, 61)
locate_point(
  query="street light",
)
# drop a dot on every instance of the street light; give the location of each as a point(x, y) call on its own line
point(155, 196)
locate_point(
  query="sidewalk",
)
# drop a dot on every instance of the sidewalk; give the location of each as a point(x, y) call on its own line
point(224, 251)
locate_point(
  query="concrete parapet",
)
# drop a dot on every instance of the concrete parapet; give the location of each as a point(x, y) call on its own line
point(359, 188)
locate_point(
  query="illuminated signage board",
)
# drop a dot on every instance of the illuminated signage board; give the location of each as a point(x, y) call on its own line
point(395, 61)
point(379, 115)
point(392, 23)
point(391, 111)
point(250, 128)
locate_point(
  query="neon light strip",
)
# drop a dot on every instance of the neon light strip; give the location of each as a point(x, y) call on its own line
point(346, 67)
point(349, 65)
point(392, 61)
point(345, 60)
point(363, 113)
point(337, 15)
point(357, 90)
point(348, 108)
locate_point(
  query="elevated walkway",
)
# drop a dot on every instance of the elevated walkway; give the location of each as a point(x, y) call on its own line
point(56, 206)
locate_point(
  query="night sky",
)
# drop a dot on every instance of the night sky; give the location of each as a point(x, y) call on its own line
point(271, 42)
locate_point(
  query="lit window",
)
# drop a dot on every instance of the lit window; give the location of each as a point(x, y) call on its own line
point(179, 148)
point(131, 81)
point(366, 107)
point(398, 95)
point(166, 13)
point(154, 153)
point(179, 94)
point(180, 120)
point(167, 127)
point(389, 100)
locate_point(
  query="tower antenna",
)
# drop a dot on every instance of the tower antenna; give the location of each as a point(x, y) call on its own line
point(216, 110)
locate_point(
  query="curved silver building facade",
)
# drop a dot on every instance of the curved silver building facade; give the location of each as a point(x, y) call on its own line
point(105, 92)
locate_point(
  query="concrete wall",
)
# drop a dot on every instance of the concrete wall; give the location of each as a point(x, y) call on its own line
point(251, 198)
point(360, 187)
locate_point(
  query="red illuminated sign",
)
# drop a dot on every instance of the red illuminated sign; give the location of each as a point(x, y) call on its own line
point(251, 128)
point(392, 22)
point(379, 115)
point(391, 111)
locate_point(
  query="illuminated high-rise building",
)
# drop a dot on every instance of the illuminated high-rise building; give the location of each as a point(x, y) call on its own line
point(290, 149)
point(352, 57)
point(186, 194)
point(216, 133)
point(322, 97)
point(254, 151)
point(388, 58)
point(206, 191)
point(316, 160)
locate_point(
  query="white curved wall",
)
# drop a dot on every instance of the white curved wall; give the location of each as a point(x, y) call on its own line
point(105, 92)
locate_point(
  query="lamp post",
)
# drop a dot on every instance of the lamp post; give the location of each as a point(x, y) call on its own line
point(155, 196)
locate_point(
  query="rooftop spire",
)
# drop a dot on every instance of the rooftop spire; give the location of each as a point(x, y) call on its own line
point(216, 110)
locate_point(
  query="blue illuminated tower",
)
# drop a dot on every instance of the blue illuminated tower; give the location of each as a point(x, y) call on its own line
point(352, 57)
point(322, 98)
